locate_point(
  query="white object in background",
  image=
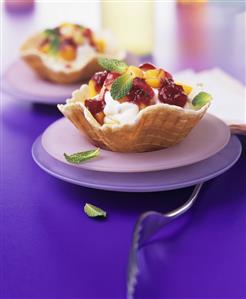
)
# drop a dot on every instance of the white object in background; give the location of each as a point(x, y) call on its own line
point(229, 95)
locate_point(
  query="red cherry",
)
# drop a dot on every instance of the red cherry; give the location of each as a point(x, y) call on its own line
point(171, 93)
point(140, 92)
point(147, 66)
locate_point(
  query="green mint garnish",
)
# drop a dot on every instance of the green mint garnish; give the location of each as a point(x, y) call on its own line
point(113, 65)
point(54, 40)
point(201, 99)
point(50, 32)
point(77, 158)
point(54, 45)
point(121, 86)
point(93, 211)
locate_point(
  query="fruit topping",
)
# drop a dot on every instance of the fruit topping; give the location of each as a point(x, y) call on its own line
point(171, 93)
point(68, 49)
point(96, 106)
point(147, 66)
point(100, 45)
point(154, 77)
point(92, 89)
point(135, 71)
point(140, 93)
point(187, 89)
point(89, 35)
point(110, 78)
point(99, 79)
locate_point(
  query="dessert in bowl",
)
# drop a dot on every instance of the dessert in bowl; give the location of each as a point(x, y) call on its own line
point(68, 53)
point(135, 109)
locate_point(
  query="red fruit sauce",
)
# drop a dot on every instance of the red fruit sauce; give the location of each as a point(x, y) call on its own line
point(89, 35)
point(110, 78)
point(95, 106)
point(140, 92)
point(171, 93)
point(99, 79)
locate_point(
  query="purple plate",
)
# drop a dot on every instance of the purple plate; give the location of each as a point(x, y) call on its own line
point(141, 182)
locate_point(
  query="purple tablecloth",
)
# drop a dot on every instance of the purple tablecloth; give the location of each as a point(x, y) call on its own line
point(50, 249)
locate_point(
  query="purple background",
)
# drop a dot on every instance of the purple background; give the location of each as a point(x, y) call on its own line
point(50, 249)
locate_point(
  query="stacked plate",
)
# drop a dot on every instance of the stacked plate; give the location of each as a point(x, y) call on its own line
point(208, 151)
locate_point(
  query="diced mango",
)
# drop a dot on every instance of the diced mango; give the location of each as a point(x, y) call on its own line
point(187, 89)
point(100, 45)
point(92, 90)
point(135, 71)
point(154, 77)
point(100, 117)
point(45, 48)
point(153, 82)
point(68, 52)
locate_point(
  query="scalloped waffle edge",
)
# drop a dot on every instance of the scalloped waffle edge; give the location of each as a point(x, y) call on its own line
point(156, 127)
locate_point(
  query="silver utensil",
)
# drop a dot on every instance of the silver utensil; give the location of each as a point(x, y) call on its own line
point(147, 225)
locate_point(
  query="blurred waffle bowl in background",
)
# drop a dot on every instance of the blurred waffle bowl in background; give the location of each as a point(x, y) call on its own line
point(56, 61)
point(68, 53)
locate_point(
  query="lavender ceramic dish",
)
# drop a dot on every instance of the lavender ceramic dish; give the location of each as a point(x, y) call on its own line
point(140, 182)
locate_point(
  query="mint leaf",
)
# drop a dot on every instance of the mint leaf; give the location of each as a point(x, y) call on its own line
point(121, 86)
point(93, 211)
point(113, 65)
point(77, 158)
point(54, 45)
point(201, 99)
point(50, 32)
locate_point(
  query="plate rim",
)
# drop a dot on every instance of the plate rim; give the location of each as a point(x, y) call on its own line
point(134, 189)
point(93, 167)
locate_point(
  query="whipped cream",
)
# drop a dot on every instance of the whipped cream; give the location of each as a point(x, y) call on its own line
point(119, 113)
point(84, 54)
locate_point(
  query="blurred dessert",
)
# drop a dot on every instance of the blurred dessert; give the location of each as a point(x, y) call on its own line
point(68, 53)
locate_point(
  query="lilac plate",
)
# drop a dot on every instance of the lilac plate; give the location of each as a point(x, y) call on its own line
point(141, 182)
point(32, 88)
point(205, 140)
point(23, 83)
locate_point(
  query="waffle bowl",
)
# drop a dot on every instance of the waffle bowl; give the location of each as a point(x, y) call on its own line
point(34, 59)
point(156, 127)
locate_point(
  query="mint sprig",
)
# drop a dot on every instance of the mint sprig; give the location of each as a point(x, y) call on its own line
point(93, 211)
point(53, 39)
point(77, 158)
point(113, 65)
point(121, 86)
point(54, 45)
